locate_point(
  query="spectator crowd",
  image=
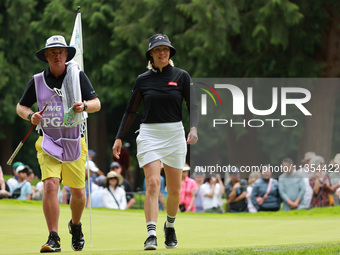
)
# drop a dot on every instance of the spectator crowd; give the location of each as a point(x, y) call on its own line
point(315, 184)
point(110, 191)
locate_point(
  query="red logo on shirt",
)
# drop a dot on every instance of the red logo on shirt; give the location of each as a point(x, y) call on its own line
point(172, 83)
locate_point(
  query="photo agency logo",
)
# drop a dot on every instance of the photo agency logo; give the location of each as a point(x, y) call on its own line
point(204, 97)
point(282, 98)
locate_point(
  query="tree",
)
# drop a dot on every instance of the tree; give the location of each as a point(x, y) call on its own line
point(16, 42)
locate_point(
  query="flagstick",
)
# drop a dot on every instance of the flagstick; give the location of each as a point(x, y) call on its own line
point(88, 180)
point(77, 31)
point(87, 144)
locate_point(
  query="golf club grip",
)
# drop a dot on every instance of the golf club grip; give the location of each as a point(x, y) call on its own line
point(9, 162)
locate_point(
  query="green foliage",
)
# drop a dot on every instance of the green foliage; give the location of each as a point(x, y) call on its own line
point(15, 55)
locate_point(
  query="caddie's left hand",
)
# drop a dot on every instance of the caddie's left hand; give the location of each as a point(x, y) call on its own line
point(192, 136)
point(78, 107)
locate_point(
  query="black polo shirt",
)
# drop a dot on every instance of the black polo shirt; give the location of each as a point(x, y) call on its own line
point(162, 94)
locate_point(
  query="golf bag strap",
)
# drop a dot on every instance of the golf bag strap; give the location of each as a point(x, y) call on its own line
point(114, 197)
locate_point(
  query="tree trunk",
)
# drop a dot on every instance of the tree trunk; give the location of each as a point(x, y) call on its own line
point(97, 139)
point(318, 134)
point(319, 128)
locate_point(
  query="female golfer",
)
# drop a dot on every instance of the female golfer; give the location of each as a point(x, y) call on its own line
point(161, 136)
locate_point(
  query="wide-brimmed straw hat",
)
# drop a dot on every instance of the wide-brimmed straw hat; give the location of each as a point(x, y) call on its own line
point(336, 159)
point(160, 40)
point(113, 174)
point(56, 41)
point(308, 156)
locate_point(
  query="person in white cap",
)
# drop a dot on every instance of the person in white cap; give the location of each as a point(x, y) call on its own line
point(14, 180)
point(61, 146)
point(23, 189)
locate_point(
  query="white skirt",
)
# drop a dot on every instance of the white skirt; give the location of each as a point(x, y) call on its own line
point(162, 141)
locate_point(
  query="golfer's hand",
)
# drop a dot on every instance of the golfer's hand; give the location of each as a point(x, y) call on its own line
point(192, 136)
point(116, 148)
point(36, 118)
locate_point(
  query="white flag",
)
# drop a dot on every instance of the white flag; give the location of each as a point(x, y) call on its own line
point(77, 40)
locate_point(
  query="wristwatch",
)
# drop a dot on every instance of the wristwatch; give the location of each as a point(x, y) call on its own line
point(30, 116)
point(85, 106)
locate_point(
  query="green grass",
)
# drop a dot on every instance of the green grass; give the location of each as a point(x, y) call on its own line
point(23, 231)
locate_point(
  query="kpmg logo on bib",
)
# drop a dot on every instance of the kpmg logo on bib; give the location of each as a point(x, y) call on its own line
point(244, 100)
point(53, 108)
